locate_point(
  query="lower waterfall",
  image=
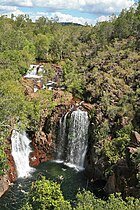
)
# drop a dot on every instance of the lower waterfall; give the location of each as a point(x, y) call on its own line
point(73, 141)
point(20, 152)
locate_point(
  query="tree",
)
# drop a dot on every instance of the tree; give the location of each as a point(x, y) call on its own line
point(45, 194)
point(42, 45)
point(87, 201)
point(72, 78)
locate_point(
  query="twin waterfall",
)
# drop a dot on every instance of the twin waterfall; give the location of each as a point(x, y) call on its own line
point(73, 138)
point(71, 148)
point(20, 152)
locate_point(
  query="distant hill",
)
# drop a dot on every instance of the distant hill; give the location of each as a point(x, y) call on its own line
point(70, 23)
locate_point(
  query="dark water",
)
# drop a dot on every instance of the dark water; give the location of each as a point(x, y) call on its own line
point(73, 181)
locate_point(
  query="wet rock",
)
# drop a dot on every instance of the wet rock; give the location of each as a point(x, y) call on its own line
point(4, 184)
point(110, 186)
point(34, 157)
point(87, 106)
point(12, 169)
point(132, 150)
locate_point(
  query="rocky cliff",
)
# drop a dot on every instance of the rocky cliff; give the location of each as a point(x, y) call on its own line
point(122, 176)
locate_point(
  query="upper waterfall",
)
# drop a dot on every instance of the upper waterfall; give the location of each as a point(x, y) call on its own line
point(20, 152)
point(33, 72)
point(73, 141)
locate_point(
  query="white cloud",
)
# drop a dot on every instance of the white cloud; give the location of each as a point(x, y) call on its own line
point(103, 18)
point(8, 10)
point(35, 16)
point(62, 17)
point(69, 18)
point(26, 3)
point(102, 9)
point(89, 6)
point(105, 6)
point(96, 6)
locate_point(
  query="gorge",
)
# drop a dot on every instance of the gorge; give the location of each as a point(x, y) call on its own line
point(72, 141)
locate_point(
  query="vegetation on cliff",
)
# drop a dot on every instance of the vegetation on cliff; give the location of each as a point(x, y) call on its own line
point(45, 194)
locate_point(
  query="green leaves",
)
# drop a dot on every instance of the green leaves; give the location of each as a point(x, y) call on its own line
point(115, 149)
point(72, 78)
point(45, 194)
point(87, 201)
point(42, 44)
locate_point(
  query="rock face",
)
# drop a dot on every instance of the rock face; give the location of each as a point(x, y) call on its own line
point(4, 184)
point(124, 176)
point(44, 141)
point(43, 148)
point(12, 169)
point(135, 139)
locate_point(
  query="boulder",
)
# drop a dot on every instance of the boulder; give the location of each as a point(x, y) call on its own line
point(87, 106)
point(135, 138)
point(4, 184)
point(110, 186)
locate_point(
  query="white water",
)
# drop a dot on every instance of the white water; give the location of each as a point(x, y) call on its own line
point(62, 136)
point(32, 73)
point(74, 139)
point(77, 138)
point(20, 152)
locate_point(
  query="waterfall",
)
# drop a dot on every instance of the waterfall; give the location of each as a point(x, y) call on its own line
point(77, 138)
point(20, 152)
point(74, 138)
point(33, 72)
point(62, 137)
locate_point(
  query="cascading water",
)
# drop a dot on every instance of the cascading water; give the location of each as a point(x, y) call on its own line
point(33, 72)
point(77, 138)
point(20, 152)
point(62, 136)
point(74, 139)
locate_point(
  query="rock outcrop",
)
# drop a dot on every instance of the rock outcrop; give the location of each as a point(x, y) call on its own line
point(4, 184)
point(124, 175)
point(44, 140)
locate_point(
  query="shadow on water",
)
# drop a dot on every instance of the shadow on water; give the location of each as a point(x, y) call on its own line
point(72, 181)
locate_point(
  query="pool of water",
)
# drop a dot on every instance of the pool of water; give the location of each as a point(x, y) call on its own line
point(72, 181)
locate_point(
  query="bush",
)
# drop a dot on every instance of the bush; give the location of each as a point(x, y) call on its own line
point(45, 195)
point(87, 201)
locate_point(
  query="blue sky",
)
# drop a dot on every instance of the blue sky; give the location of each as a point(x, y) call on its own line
point(78, 11)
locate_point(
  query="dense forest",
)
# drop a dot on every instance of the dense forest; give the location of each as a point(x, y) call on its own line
point(101, 66)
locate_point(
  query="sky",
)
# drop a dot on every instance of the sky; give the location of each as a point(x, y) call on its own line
point(77, 11)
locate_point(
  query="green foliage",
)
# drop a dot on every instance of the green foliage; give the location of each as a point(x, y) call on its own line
point(13, 103)
point(87, 201)
point(42, 46)
point(135, 159)
point(72, 79)
point(3, 160)
point(45, 194)
point(115, 149)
